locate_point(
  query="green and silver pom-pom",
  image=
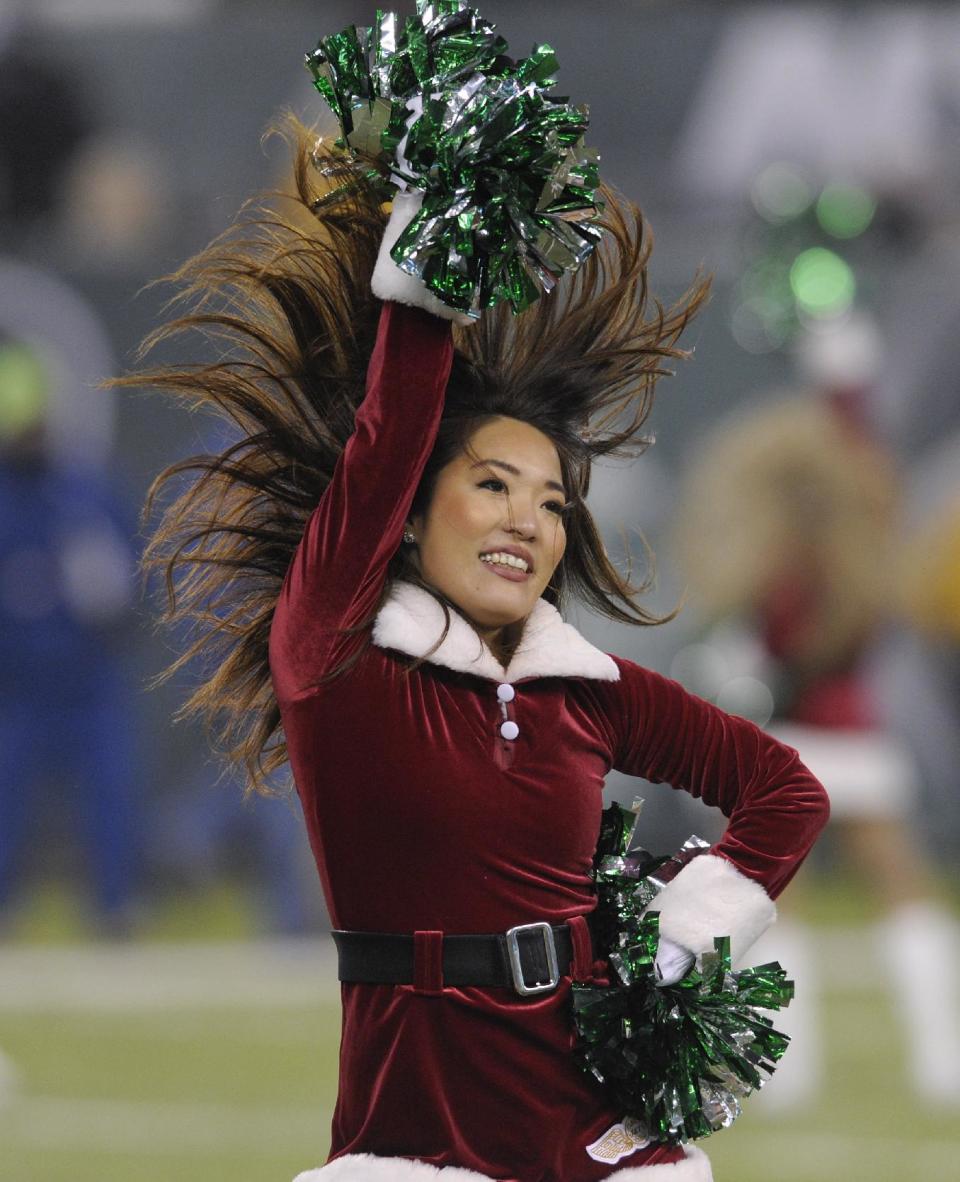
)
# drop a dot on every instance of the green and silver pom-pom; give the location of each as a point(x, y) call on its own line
point(678, 1059)
point(510, 192)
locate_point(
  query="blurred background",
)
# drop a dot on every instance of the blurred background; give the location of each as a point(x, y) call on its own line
point(167, 997)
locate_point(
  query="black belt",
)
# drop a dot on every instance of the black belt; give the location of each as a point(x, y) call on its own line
point(530, 958)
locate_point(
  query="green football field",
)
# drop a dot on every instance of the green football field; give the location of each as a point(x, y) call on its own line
point(215, 1061)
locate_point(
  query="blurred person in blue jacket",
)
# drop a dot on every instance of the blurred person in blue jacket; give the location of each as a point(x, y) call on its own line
point(66, 580)
point(205, 830)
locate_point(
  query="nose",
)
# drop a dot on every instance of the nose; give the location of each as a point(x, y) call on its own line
point(521, 520)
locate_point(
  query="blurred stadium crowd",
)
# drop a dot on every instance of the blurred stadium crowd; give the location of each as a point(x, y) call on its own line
point(803, 495)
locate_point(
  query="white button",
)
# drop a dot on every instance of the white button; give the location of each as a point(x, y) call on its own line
point(509, 729)
point(506, 692)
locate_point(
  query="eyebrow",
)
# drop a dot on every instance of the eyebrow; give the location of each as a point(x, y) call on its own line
point(514, 471)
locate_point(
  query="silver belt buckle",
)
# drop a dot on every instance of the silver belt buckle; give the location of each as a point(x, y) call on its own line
point(516, 968)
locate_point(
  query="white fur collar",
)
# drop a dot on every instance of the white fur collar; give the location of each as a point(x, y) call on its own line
point(411, 621)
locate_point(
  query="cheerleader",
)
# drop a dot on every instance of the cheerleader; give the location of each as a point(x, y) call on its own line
point(378, 571)
point(787, 532)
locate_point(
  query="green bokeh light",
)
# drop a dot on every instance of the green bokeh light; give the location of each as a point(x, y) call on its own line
point(23, 390)
point(844, 211)
point(822, 283)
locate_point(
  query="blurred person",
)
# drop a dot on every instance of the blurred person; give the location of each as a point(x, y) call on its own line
point(202, 829)
point(865, 92)
point(374, 571)
point(44, 120)
point(53, 318)
point(66, 580)
point(922, 675)
point(786, 532)
point(931, 584)
point(115, 205)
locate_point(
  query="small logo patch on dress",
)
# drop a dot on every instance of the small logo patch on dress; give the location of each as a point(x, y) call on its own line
point(619, 1141)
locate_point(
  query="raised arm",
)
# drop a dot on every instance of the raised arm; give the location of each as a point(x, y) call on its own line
point(340, 565)
point(775, 807)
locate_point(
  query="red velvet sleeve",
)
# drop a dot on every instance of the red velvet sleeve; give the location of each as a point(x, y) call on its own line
point(339, 568)
point(775, 807)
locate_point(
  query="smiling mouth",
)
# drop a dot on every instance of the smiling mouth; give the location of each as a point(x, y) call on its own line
point(501, 563)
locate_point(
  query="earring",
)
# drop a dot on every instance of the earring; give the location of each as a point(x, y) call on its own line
point(409, 536)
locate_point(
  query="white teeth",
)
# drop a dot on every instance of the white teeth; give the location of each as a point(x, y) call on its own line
point(499, 558)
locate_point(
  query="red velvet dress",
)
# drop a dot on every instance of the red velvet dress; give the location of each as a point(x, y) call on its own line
point(423, 818)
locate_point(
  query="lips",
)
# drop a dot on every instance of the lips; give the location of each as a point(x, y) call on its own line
point(511, 573)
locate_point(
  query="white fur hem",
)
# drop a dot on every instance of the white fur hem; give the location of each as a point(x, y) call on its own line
point(710, 898)
point(390, 283)
point(364, 1167)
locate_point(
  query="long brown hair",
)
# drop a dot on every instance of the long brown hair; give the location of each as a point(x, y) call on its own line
point(285, 296)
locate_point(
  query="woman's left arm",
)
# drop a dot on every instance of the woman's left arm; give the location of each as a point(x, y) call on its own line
point(775, 807)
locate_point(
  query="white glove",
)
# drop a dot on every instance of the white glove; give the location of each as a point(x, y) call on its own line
point(673, 962)
point(390, 283)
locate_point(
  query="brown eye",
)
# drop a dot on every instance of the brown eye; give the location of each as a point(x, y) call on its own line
point(493, 484)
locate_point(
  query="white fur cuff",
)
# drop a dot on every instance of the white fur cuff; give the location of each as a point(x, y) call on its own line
point(710, 898)
point(365, 1167)
point(389, 282)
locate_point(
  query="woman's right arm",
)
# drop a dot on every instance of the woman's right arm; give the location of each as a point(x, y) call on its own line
point(339, 568)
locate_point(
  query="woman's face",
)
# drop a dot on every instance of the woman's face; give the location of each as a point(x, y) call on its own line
point(493, 533)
